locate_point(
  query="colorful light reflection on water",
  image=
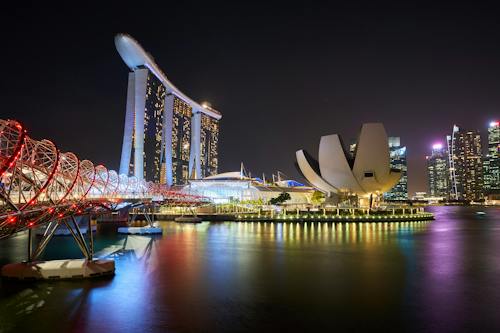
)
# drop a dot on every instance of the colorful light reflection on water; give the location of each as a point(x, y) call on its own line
point(407, 276)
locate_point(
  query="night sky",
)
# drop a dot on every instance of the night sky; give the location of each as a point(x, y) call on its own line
point(282, 75)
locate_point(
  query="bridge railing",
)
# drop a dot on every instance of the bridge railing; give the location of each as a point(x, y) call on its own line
point(39, 183)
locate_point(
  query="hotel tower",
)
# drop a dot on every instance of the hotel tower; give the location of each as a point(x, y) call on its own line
point(168, 138)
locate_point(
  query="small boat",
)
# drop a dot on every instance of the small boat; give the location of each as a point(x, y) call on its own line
point(480, 213)
point(188, 219)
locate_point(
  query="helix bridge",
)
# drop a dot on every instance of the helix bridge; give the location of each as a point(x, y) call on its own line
point(40, 185)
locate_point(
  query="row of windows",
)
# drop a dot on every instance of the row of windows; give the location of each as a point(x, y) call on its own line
point(209, 145)
point(181, 140)
point(154, 161)
point(153, 129)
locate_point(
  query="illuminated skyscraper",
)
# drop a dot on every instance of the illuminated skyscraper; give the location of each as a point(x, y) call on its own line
point(153, 128)
point(182, 114)
point(209, 142)
point(398, 161)
point(491, 163)
point(438, 172)
point(465, 162)
point(168, 138)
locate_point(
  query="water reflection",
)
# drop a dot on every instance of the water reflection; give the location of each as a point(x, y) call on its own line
point(257, 276)
point(22, 303)
point(296, 234)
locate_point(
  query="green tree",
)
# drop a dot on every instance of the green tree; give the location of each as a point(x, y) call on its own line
point(280, 199)
point(317, 198)
point(255, 202)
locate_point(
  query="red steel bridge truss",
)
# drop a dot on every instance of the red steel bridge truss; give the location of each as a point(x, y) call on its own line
point(41, 185)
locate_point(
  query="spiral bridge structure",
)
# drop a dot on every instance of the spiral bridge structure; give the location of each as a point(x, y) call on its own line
point(41, 184)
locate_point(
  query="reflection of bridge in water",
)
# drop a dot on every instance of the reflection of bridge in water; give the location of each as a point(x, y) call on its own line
point(40, 185)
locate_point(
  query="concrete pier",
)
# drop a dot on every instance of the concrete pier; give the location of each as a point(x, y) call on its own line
point(59, 269)
point(335, 218)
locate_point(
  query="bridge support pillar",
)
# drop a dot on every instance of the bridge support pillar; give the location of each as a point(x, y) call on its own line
point(52, 226)
point(59, 269)
point(30, 244)
point(91, 239)
point(47, 236)
point(78, 237)
point(146, 210)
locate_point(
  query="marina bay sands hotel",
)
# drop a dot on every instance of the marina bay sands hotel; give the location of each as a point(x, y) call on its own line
point(168, 137)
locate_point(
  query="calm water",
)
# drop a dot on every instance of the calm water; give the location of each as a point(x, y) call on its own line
point(441, 276)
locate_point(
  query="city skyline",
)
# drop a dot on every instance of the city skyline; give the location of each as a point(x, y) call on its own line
point(465, 167)
point(335, 64)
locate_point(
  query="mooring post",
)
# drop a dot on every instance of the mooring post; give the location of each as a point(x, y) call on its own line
point(152, 216)
point(30, 244)
point(91, 239)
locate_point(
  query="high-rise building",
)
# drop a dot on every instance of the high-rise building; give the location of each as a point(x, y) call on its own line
point(398, 161)
point(208, 145)
point(491, 163)
point(438, 171)
point(352, 149)
point(168, 138)
point(465, 164)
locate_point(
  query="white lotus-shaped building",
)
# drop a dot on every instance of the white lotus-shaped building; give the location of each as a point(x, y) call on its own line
point(367, 172)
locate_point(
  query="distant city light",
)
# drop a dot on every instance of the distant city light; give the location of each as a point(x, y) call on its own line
point(494, 124)
point(437, 146)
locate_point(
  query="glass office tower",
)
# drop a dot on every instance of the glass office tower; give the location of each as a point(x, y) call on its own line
point(438, 171)
point(398, 161)
point(466, 165)
point(491, 163)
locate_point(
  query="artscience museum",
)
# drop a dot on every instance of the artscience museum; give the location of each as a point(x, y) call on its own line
point(366, 174)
